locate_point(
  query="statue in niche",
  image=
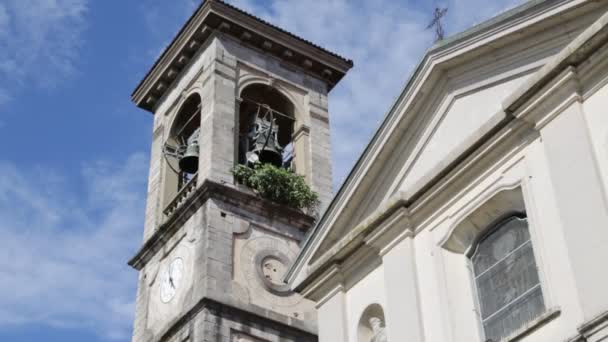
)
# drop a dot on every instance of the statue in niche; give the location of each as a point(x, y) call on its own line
point(378, 329)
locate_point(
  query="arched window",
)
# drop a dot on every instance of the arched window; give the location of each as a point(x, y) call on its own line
point(266, 124)
point(181, 149)
point(185, 134)
point(506, 278)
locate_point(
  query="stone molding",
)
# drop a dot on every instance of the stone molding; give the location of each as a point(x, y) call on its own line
point(181, 325)
point(533, 325)
point(303, 130)
point(211, 190)
point(537, 102)
point(592, 327)
point(216, 17)
point(365, 244)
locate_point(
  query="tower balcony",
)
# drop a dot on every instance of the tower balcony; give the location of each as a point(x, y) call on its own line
point(182, 196)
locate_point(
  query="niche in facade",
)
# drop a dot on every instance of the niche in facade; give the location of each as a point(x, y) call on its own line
point(266, 124)
point(372, 326)
point(181, 149)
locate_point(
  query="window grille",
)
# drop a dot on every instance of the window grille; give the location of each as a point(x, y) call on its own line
point(506, 278)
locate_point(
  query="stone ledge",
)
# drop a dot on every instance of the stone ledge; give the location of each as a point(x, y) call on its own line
point(239, 197)
point(181, 197)
point(592, 327)
point(217, 17)
point(536, 323)
point(179, 325)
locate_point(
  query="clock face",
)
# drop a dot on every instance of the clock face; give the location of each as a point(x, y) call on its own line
point(171, 279)
point(265, 261)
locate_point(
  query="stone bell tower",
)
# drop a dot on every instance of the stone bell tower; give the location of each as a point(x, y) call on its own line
point(230, 89)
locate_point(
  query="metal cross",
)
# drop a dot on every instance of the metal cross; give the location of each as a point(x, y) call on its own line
point(438, 15)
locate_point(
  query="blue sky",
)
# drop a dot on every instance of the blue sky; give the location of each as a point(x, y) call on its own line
point(74, 150)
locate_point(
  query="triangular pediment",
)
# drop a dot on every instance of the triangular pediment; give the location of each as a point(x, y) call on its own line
point(465, 119)
point(456, 118)
point(453, 99)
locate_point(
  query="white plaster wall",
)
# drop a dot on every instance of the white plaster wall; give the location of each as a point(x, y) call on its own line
point(402, 312)
point(366, 292)
point(445, 287)
point(447, 299)
point(460, 297)
point(596, 114)
point(463, 118)
point(581, 202)
point(476, 90)
point(435, 316)
point(528, 170)
point(332, 318)
point(549, 245)
point(566, 213)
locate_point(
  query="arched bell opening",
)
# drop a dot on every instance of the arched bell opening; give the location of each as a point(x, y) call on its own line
point(181, 149)
point(266, 125)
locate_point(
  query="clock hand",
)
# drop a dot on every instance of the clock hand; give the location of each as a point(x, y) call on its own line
point(171, 276)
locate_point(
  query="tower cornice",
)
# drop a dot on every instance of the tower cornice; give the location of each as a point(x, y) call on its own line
point(211, 190)
point(217, 17)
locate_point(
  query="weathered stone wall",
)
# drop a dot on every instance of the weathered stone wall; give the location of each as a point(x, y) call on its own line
point(195, 79)
point(307, 93)
point(211, 238)
point(220, 298)
point(220, 324)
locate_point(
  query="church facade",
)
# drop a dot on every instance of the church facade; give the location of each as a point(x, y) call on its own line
point(479, 210)
point(477, 213)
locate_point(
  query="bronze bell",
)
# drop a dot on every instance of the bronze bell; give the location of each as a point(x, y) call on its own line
point(263, 144)
point(188, 163)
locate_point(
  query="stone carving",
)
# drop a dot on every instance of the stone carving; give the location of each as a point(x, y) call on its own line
point(378, 329)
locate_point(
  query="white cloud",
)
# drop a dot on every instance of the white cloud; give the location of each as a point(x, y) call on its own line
point(385, 38)
point(63, 252)
point(39, 42)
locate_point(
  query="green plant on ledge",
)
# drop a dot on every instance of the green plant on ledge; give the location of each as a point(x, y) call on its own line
point(278, 185)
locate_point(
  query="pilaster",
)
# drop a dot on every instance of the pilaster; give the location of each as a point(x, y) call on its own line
point(403, 316)
point(332, 317)
point(223, 117)
point(218, 116)
point(581, 204)
point(321, 170)
point(141, 304)
point(153, 197)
